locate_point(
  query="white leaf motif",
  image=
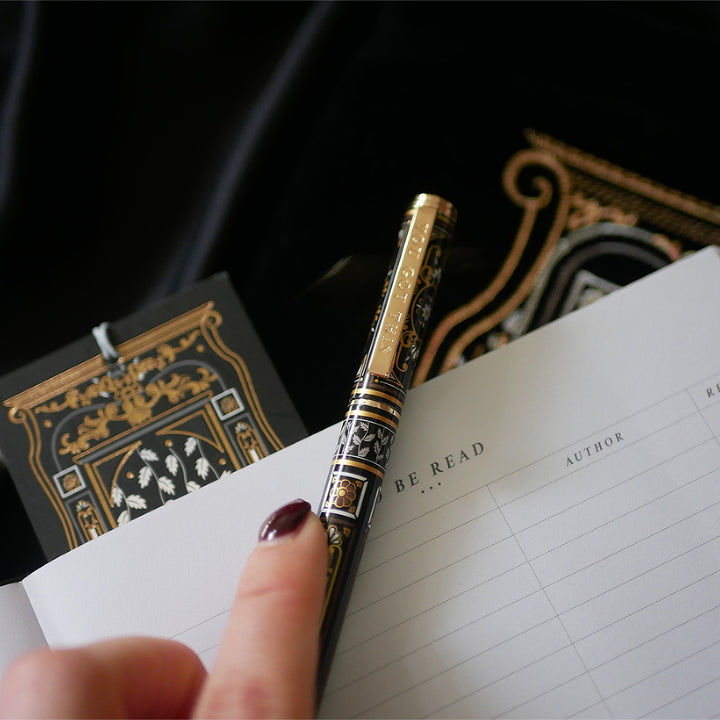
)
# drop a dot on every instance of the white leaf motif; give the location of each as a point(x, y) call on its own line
point(192, 486)
point(166, 485)
point(202, 466)
point(136, 501)
point(172, 464)
point(190, 445)
point(116, 495)
point(123, 517)
point(148, 455)
point(333, 535)
point(145, 475)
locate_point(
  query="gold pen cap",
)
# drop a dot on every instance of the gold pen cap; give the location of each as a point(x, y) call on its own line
point(442, 206)
point(402, 317)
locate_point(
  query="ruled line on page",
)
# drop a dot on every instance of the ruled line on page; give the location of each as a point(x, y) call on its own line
point(462, 628)
point(445, 601)
point(640, 540)
point(646, 644)
point(630, 511)
point(428, 540)
point(605, 491)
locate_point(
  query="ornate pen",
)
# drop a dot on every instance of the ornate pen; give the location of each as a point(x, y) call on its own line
point(358, 465)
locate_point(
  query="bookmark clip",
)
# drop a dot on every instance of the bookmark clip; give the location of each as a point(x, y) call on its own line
point(399, 296)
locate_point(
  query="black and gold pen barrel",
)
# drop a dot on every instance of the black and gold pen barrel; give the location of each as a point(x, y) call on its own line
point(381, 385)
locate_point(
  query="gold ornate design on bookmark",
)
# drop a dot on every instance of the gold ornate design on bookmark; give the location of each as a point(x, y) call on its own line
point(400, 294)
point(88, 520)
point(106, 448)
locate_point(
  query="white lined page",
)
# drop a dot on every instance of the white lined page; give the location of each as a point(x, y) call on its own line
point(666, 547)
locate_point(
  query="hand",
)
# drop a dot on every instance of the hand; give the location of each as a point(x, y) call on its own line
point(266, 664)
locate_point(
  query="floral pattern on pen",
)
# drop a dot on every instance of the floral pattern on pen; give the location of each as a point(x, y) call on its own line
point(365, 440)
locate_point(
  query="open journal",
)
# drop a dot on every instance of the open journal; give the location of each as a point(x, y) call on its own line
point(548, 544)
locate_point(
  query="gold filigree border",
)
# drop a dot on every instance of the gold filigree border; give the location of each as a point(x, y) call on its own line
point(27, 419)
point(531, 207)
point(626, 179)
point(85, 371)
point(664, 209)
point(209, 330)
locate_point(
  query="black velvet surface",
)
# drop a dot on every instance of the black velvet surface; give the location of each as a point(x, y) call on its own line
point(146, 145)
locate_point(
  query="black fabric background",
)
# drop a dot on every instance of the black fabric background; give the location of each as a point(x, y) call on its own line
point(146, 145)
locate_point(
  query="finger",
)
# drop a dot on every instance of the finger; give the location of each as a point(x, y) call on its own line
point(267, 663)
point(128, 677)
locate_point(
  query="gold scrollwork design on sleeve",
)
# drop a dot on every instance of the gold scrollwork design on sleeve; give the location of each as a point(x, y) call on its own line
point(532, 179)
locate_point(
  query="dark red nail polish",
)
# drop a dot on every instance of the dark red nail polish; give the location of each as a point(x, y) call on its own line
point(284, 520)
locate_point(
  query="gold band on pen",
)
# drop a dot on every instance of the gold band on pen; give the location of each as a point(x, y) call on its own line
point(364, 415)
point(354, 463)
point(364, 402)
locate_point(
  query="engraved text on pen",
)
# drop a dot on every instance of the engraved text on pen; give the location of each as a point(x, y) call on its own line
point(402, 290)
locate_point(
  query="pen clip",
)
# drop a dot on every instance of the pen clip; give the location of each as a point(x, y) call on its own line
point(398, 298)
